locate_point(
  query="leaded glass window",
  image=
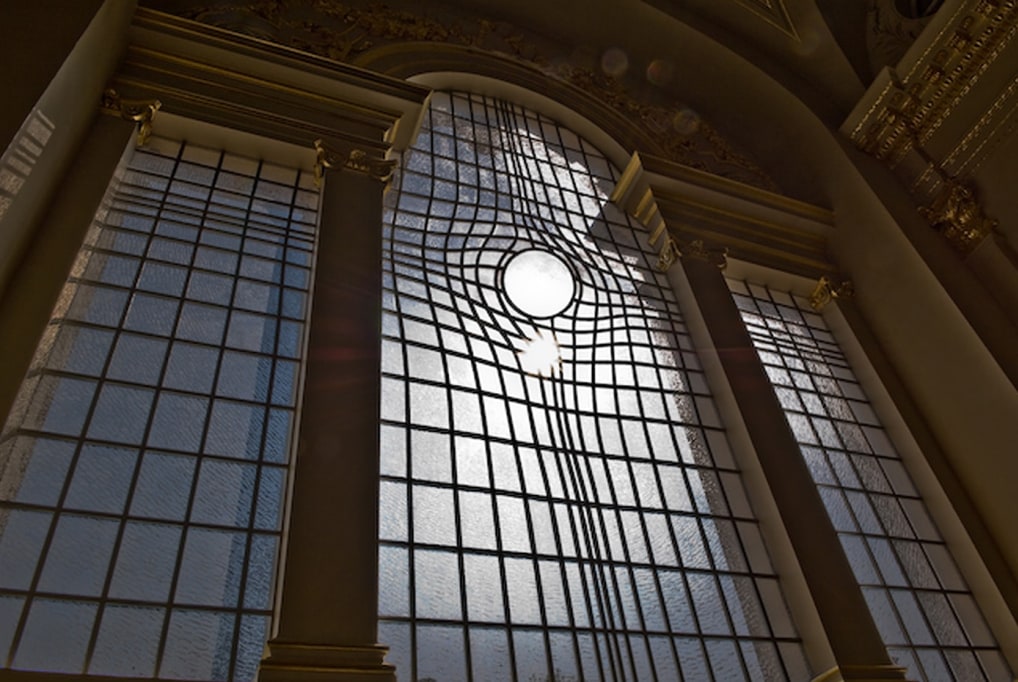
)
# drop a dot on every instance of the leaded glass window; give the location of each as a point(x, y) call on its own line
point(919, 600)
point(142, 472)
point(558, 500)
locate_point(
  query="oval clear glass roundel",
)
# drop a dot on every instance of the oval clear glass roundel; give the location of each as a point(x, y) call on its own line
point(538, 283)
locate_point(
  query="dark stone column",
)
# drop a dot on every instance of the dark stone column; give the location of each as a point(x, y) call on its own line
point(858, 649)
point(327, 622)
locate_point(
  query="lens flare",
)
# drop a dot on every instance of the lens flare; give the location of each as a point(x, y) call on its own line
point(614, 62)
point(541, 356)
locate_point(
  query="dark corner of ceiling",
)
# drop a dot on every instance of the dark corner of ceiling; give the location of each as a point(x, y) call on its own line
point(846, 20)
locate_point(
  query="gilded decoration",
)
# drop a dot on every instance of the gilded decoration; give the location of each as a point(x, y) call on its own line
point(957, 215)
point(668, 255)
point(697, 250)
point(141, 111)
point(346, 31)
point(356, 160)
point(826, 291)
point(911, 102)
point(911, 108)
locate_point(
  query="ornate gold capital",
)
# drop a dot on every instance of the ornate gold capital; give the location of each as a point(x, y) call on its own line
point(697, 250)
point(141, 111)
point(955, 213)
point(826, 291)
point(356, 159)
point(669, 253)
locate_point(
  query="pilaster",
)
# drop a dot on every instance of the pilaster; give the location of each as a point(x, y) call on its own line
point(327, 621)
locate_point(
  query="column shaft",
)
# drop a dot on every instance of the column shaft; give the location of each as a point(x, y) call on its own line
point(853, 636)
point(327, 624)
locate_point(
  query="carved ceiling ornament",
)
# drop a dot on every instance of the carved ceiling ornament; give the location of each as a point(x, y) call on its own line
point(344, 31)
point(908, 104)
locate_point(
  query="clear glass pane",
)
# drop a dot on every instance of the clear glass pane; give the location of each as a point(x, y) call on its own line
point(123, 384)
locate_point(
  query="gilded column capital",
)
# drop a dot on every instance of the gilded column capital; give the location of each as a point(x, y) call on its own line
point(956, 214)
point(697, 250)
point(826, 291)
point(358, 160)
point(668, 254)
point(141, 111)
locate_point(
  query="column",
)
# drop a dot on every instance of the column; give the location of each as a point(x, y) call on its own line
point(36, 282)
point(858, 649)
point(327, 620)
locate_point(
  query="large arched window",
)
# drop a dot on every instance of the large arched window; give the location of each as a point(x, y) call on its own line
point(558, 499)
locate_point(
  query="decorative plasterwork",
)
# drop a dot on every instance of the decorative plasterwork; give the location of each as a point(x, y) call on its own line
point(928, 119)
point(350, 31)
point(358, 160)
point(912, 103)
point(141, 111)
point(691, 209)
point(826, 291)
point(889, 34)
point(956, 214)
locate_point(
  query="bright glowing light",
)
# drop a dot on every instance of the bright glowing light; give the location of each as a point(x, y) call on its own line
point(539, 283)
point(541, 356)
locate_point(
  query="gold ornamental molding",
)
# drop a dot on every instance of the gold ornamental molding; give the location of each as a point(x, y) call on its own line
point(697, 250)
point(931, 119)
point(957, 215)
point(358, 160)
point(668, 255)
point(141, 111)
point(826, 291)
point(908, 104)
point(694, 250)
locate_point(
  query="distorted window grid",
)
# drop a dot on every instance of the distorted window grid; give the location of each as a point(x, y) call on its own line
point(509, 499)
point(919, 600)
point(145, 463)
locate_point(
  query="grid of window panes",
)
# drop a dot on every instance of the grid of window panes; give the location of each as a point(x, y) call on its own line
point(918, 599)
point(144, 468)
point(587, 524)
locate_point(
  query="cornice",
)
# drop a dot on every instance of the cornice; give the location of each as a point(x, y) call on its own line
point(404, 39)
point(908, 104)
point(938, 115)
point(680, 205)
point(224, 78)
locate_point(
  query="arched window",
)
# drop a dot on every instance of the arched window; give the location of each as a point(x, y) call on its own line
point(558, 500)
